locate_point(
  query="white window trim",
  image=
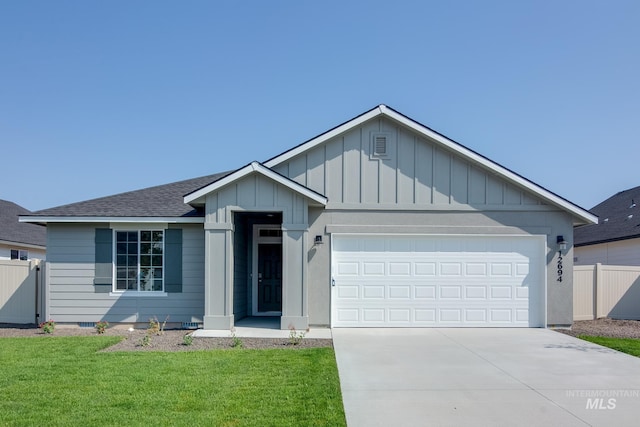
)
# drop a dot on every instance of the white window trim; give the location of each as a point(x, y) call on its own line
point(137, 293)
point(19, 257)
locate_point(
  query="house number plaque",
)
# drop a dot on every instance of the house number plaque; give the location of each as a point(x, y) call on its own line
point(559, 266)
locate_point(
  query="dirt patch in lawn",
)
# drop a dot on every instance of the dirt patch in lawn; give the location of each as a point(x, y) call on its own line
point(169, 340)
point(605, 328)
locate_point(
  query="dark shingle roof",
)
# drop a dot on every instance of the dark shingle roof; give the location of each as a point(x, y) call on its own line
point(619, 220)
point(159, 201)
point(19, 232)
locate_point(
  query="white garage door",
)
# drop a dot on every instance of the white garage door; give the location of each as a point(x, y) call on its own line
point(437, 281)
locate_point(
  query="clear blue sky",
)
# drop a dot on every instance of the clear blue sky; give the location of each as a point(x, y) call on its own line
point(98, 98)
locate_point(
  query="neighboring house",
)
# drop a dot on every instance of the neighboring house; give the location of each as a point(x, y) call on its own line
point(19, 240)
point(615, 240)
point(380, 221)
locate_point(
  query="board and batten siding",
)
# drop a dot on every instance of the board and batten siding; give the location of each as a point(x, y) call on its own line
point(255, 193)
point(416, 173)
point(71, 292)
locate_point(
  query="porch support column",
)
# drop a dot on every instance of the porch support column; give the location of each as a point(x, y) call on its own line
point(294, 277)
point(218, 280)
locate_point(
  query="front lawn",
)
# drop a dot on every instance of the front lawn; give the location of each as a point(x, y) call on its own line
point(64, 381)
point(626, 345)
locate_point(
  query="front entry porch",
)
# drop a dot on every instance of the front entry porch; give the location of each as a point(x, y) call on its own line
point(256, 268)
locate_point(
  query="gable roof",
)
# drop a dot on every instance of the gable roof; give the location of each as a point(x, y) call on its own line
point(12, 231)
point(255, 167)
point(619, 220)
point(581, 216)
point(167, 203)
point(160, 203)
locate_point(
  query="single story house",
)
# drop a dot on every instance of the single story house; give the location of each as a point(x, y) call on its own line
point(615, 239)
point(18, 240)
point(378, 222)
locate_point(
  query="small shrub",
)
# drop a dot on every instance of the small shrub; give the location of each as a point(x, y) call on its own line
point(296, 337)
point(155, 328)
point(146, 340)
point(236, 342)
point(48, 327)
point(187, 339)
point(102, 326)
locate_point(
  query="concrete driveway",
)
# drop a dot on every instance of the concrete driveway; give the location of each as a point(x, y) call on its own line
point(474, 377)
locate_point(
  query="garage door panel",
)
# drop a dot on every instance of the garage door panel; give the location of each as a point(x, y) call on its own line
point(475, 292)
point(373, 292)
point(399, 269)
point(475, 315)
point(422, 281)
point(450, 292)
point(348, 268)
point(348, 292)
point(425, 292)
point(399, 292)
point(424, 268)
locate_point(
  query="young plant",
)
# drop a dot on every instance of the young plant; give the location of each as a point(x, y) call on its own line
point(48, 327)
point(187, 339)
point(236, 342)
point(155, 327)
point(146, 340)
point(296, 337)
point(102, 326)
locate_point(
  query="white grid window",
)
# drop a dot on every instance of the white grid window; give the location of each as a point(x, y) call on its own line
point(139, 260)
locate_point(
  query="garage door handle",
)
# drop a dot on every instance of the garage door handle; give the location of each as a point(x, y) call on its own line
point(333, 282)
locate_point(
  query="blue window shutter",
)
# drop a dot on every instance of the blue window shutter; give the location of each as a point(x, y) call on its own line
point(173, 260)
point(103, 279)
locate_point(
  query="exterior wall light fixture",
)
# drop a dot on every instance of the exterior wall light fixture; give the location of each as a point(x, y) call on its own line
point(562, 244)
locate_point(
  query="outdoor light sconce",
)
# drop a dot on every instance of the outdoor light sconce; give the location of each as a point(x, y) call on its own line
point(562, 244)
point(318, 240)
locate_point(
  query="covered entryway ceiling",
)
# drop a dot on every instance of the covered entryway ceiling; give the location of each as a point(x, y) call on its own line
point(443, 280)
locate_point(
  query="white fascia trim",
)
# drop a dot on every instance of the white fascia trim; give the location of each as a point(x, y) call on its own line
point(517, 179)
point(258, 168)
point(383, 110)
point(19, 245)
point(325, 136)
point(118, 219)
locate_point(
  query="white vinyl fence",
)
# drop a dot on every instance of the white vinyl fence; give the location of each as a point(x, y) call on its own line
point(606, 291)
point(21, 284)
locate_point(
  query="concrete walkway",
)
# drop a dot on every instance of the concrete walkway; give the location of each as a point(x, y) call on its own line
point(260, 327)
point(476, 377)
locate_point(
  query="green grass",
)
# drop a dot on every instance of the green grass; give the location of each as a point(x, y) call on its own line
point(63, 381)
point(626, 345)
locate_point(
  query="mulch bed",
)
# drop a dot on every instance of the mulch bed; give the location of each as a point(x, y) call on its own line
point(173, 340)
point(169, 340)
point(605, 328)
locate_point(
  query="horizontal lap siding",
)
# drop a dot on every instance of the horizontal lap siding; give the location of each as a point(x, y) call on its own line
point(72, 296)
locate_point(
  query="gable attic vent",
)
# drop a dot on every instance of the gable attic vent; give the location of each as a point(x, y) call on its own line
point(380, 145)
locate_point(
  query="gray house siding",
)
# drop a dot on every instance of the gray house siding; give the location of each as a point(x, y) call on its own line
point(418, 188)
point(416, 174)
point(73, 297)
